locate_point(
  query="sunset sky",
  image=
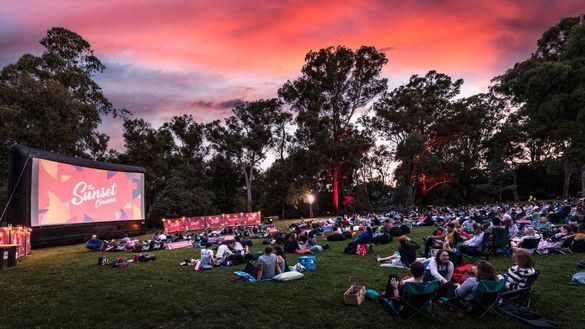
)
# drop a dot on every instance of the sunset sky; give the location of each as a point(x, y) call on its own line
point(167, 58)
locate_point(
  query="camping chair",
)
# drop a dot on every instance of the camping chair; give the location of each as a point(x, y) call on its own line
point(565, 248)
point(416, 298)
point(501, 241)
point(518, 295)
point(485, 299)
point(483, 251)
point(530, 244)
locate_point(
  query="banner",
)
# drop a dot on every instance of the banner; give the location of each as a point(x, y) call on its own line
point(194, 223)
point(4, 235)
point(214, 221)
point(173, 225)
point(252, 218)
point(17, 237)
point(180, 244)
point(27, 245)
point(234, 219)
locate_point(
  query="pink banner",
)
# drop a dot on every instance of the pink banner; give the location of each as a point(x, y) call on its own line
point(194, 223)
point(173, 225)
point(234, 219)
point(4, 235)
point(17, 237)
point(180, 244)
point(27, 245)
point(214, 221)
point(252, 218)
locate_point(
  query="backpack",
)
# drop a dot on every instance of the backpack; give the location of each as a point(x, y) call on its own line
point(251, 269)
point(103, 260)
point(119, 262)
point(350, 249)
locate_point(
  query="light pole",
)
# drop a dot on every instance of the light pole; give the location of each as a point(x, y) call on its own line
point(310, 199)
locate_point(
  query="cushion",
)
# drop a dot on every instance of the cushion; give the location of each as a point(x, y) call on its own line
point(288, 276)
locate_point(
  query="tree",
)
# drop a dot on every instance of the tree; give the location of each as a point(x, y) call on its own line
point(410, 117)
point(246, 137)
point(51, 102)
point(334, 84)
point(549, 89)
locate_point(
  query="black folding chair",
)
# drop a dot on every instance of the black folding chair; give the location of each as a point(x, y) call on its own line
point(518, 296)
point(530, 244)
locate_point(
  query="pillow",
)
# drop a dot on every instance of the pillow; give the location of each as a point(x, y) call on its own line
point(288, 276)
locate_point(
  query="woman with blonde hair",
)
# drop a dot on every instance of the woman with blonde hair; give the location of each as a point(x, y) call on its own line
point(522, 269)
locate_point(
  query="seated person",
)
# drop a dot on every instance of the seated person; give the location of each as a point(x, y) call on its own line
point(267, 265)
point(440, 238)
point(475, 244)
point(512, 228)
point(522, 269)
point(466, 291)
point(365, 237)
point(280, 259)
point(94, 244)
point(223, 251)
point(406, 253)
point(468, 224)
point(417, 269)
point(543, 226)
point(556, 241)
point(527, 232)
point(207, 257)
point(441, 268)
point(291, 245)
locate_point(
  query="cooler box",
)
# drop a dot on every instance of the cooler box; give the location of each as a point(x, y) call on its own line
point(308, 262)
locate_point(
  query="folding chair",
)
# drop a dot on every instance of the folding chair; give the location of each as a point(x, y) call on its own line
point(519, 295)
point(530, 244)
point(483, 251)
point(501, 241)
point(565, 248)
point(485, 299)
point(416, 298)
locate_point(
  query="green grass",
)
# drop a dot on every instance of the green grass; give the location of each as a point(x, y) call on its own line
point(62, 287)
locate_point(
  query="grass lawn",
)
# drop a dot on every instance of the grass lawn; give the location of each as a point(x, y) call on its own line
point(62, 287)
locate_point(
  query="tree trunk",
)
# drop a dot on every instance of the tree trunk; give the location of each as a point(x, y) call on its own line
point(515, 183)
point(583, 181)
point(336, 188)
point(567, 180)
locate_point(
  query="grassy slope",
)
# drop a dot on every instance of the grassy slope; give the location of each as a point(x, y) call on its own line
point(63, 287)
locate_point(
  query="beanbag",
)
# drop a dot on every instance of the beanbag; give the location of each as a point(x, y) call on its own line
point(288, 276)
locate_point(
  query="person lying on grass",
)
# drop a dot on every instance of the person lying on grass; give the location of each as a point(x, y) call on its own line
point(557, 240)
point(406, 253)
point(267, 265)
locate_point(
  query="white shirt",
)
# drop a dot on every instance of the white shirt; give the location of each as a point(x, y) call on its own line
point(222, 250)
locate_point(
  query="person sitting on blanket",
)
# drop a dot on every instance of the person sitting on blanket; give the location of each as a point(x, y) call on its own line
point(556, 241)
point(268, 265)
point(280, 259)
point(466, 291)
point(291, 245)
point(440, 238)
point(364, 238)
point(393, 286)
point(406, 253)
point(223, 251)
point(522, 269)
point(94, 244)
point(207, 257)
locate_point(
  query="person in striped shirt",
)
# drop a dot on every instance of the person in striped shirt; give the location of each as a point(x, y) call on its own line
point(522, 269)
